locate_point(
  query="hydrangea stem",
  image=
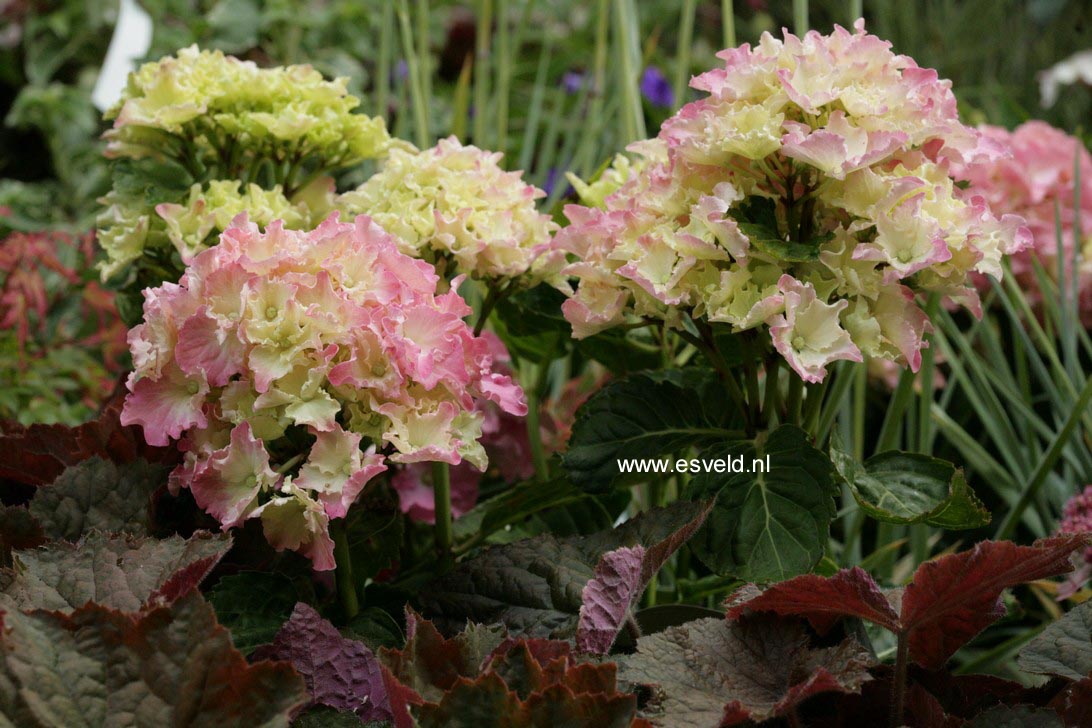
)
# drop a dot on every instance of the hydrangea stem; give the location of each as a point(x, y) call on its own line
point(346, 588)
point(441, 489)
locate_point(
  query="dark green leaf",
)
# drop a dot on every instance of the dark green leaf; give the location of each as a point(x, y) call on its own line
point(766, 526)
point(535, 586)
point(644, 416)
point(253, 605)
point(901, 487)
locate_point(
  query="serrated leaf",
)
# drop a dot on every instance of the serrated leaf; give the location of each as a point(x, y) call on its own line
point(478, 678)
point(641, 417)
point(766, 526)
point(948, 601)
point(253, 605)
point(165, 666)
point(715, 672)
point(339, 672)
point(430, 663)
point(901, 487)
point(116, 572)
point(96, 494)
point(1064, 648)
point(535, 586)
point(607, 599)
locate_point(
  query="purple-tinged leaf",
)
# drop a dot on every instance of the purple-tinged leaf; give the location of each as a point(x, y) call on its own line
point(166, 666)
point(949, 600)
point(953, 598)
point(720, 672)
point(339, 672)
point(608, 597)
point(114, 571)
point(822, 600)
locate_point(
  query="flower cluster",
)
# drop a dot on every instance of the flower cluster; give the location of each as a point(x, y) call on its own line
point(809, 193)
point(189, 126)
point(455, 203)
point(1037, 177)
point(333, 340)
point(205, 93)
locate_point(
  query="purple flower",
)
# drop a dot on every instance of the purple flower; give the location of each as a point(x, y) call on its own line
point(551, 180)
point(401, 71)
point(656, 88)
point(573, 81)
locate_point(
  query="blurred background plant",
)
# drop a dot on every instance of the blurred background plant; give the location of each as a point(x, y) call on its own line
point(561, 87)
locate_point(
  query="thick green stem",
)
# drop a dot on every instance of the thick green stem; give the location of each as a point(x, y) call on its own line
point(441, 489)
point(346, 588)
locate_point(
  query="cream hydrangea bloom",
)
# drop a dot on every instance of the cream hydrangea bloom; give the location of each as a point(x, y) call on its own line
point(456, 202)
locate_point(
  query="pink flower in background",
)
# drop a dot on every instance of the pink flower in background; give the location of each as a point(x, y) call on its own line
point(1036, 178)
point(332, 337)
point(1077, 518)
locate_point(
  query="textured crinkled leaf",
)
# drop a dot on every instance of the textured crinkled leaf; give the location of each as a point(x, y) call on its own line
point(717, 672)
point(1064, 648)
point(253, 605)
point(339, 672)
point(953, 598)
point(321, 716)
point(642, 417)
point(165, 666)
point(900, 487)
point(97, 494)
point(18, 530)
point(607, 599)
point(114, 571)
point(767, 526)
point(535, 586)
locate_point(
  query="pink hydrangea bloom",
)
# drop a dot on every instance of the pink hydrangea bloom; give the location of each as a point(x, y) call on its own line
point(333, 333)
point(1038, 175)
point(1077, 518)
point(816, 173)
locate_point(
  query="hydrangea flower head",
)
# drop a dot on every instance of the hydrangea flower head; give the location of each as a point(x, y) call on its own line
point(330, 341)
point(456, 202)
point(809, 193)
point(190, 126)
point(1038, 176)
